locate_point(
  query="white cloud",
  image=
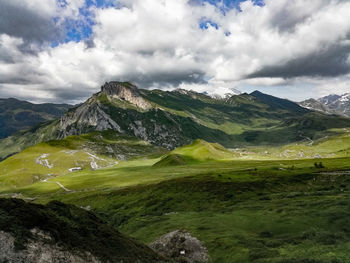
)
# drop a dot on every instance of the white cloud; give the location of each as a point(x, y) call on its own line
point(160, 44)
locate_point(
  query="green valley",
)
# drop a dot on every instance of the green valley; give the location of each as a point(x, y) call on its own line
point(255, 210)
point(255, 178)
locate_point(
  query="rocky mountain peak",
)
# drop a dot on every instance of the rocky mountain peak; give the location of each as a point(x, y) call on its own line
point(119, 88)
point(125, 91)
point(327, 100)
point(332, 104)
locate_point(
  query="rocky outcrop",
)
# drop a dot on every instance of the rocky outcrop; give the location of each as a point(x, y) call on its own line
point(39, 250)
point(180, 246)
point(91, 116)
point(88, 116)
point(125, 91)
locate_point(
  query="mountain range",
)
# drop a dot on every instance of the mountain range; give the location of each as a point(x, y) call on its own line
point(174, 118)
point(17, 115)
point(331, 104)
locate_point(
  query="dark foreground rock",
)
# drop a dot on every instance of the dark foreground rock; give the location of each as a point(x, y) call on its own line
point(60, 233)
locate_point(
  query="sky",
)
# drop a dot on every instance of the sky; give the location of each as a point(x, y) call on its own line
point(64, 50)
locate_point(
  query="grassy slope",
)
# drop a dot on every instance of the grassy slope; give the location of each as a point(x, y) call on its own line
point(326, 147)
point(230, 117)
point(244, 211)
point(198, 151)
point(266, 210)
point(202, 150)
point(86, 151)
point(18, 142)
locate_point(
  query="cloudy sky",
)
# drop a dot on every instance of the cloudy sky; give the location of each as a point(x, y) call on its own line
point(64, 50)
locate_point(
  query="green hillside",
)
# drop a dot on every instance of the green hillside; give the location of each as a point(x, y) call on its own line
point(202, 150)
point(59, 157)
point(332, 146)
point(198, 151)
point(16, 115)
point(243, 210)
point(243, 205)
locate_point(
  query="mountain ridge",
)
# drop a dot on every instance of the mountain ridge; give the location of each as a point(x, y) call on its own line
point(174, 118)
point(17, 115)
point(330, 104)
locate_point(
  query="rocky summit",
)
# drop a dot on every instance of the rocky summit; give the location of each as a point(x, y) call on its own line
point(125, 91)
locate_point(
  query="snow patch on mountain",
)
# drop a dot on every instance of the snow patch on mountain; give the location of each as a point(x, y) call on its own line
point(222, 93)
point(345, 97)
point(334, 104)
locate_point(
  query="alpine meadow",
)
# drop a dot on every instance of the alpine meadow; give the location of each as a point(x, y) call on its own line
point(174, 131)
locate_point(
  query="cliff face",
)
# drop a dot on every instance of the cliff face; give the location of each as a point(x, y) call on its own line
point(125, 91)
point(92, 115)
point(87, 117)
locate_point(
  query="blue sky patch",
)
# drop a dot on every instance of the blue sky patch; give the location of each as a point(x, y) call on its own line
point(225, 5)
point(81, 28)
point(205, 24)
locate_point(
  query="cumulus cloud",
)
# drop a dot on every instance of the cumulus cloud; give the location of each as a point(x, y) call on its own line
point(35, 20)
point(160, 44)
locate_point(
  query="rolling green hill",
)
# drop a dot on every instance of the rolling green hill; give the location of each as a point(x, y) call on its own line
point(74, 153)
point(198, 151)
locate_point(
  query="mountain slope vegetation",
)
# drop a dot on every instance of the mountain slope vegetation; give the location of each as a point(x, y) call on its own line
point(16, 115)
point(74, 153)
point(242, 210)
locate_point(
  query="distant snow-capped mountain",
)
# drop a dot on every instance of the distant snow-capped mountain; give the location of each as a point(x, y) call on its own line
point(331, 104)
point(222, 93)
point(327, 100)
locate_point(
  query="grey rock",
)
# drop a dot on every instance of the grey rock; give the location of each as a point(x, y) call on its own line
point(39, 250)
point(89, 114)
point(127, 92)
point(180, 246)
